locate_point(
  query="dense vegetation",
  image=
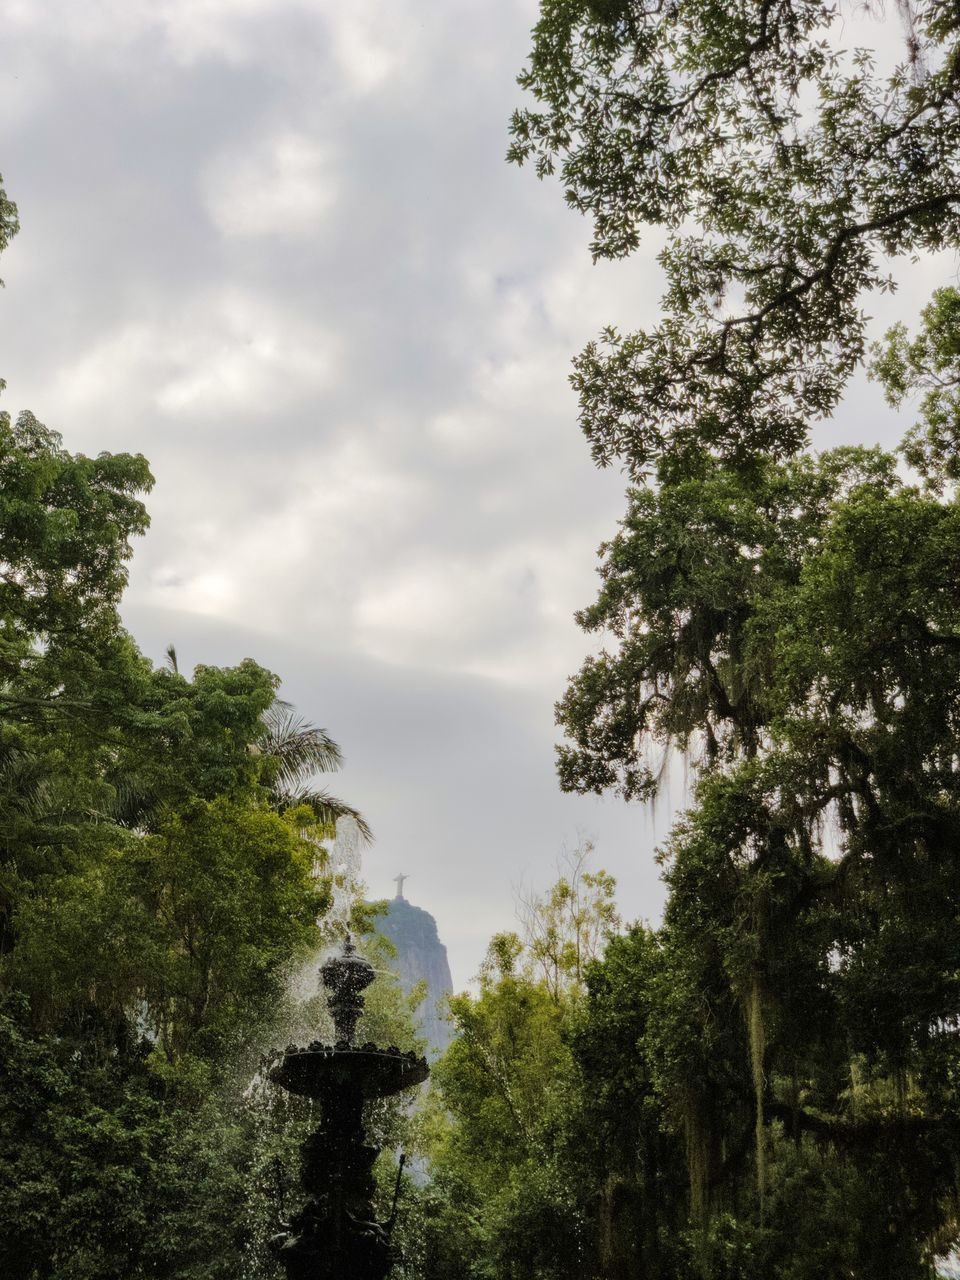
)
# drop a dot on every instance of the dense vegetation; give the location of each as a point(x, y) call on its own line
point(769, 1083)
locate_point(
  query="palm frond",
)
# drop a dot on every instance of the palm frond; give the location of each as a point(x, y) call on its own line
point(299, 751)
point(299, 747)
point(326, 807)
point(24, 782)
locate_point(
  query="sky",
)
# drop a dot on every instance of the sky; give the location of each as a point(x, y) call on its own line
point(274, 246)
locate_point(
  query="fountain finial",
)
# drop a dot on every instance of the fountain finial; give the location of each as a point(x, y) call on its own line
point(346, 977)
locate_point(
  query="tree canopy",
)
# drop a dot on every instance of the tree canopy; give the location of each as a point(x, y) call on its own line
point(158, 879)
point(785, 170)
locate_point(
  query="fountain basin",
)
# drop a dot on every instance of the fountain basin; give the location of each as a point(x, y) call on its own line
point(322, 1071)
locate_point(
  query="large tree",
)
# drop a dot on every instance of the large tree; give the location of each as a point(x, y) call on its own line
point(789, 621)
point(152, 899)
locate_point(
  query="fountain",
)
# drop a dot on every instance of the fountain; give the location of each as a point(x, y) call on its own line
point(335, 1234)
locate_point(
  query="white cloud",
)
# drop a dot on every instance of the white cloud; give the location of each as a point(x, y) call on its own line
point(235, 353)
point(371, 40)
point(504, 615)
point(281, 185)
point(218, 29)
point(186, 30)
point(296, 565)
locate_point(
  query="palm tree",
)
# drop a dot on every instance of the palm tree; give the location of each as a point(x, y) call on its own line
point(299, 751)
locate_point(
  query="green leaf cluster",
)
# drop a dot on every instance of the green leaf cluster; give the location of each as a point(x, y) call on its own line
point(500, 1203)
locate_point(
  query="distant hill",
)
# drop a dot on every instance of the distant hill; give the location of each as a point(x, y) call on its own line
point(420, 955)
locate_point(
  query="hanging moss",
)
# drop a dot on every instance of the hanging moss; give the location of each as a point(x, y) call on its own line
point(757, 1040)
point(856, 1087)
point(697, 1136)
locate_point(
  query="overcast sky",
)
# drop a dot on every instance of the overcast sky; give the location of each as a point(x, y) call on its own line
point(274, 245)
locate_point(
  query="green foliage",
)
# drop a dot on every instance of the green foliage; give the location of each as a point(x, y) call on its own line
point(567, 928)
point(691, 587)
point(797, 622)
point(160, 875)
point(928, 363)
point(547, 1158)
point(767, 1085)
point(784, 170)
point(112, 1169)
point(499, 1204)
point(789, 622)
point(67, 522)
point(296, 751)
point(193, 926)
point(388, 1014)
point(551, 1151)
point(9, 226)
point(626, 1160)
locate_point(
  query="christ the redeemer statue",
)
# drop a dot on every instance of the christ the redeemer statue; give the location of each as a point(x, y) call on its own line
point(398, 881)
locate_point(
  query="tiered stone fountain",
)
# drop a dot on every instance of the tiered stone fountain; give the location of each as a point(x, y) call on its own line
point(335, 1234)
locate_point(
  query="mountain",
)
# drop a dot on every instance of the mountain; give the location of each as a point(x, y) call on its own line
point(420, 955)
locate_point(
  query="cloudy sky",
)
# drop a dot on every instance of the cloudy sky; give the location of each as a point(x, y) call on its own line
point(274, 245)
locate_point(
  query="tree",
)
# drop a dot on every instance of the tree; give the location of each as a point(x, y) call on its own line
point(796, 624)
point(499, 1203)
point(790, 621)
point(72, 684)
point(617, 1142)
point(509, 1196)
point(929, 363)
point(567, 928)
point(689, 585)
point(111, 1170)
point(140, 837)
point(161, 873)
point(66, 524)
point(9, 221)
point(9, 226)
point(784, 171)
point(152, 901)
